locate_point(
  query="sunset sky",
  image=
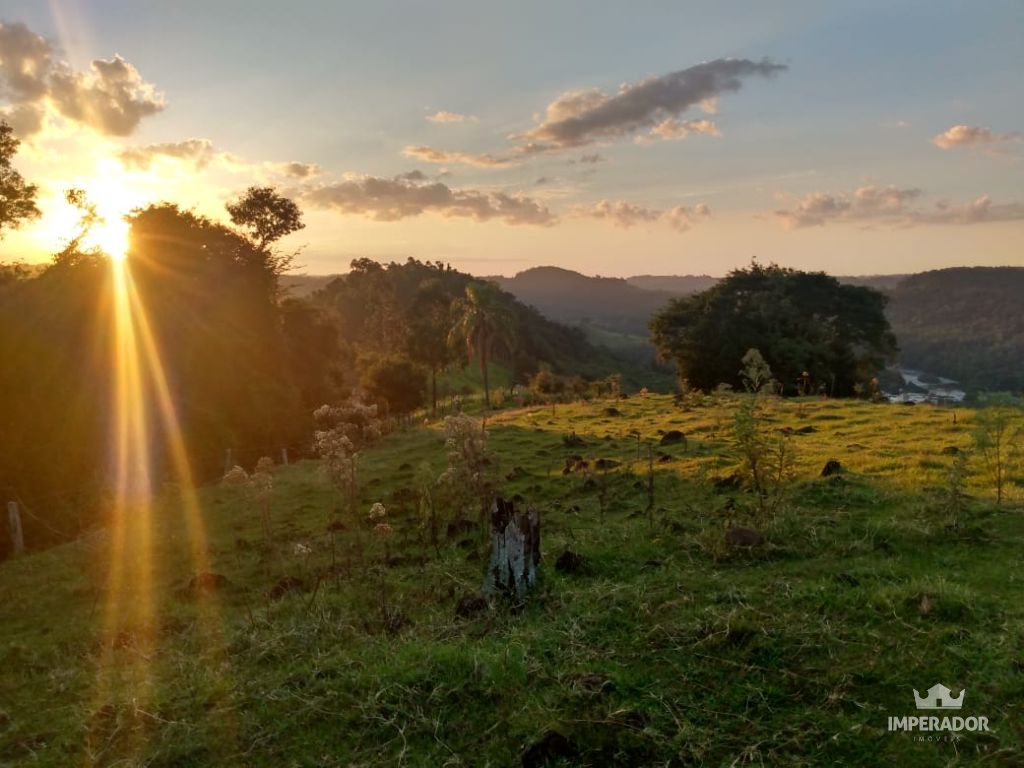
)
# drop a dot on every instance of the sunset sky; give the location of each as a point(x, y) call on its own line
point(648, 138)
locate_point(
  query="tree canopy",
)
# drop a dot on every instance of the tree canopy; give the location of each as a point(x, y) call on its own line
point(799, 321)
point(17, 198)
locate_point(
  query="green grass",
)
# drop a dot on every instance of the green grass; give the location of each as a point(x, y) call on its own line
point(669, 649)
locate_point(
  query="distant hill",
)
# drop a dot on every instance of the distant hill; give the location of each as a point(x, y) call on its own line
point(966, 323)
point(301, 286)
point(570, 297)
point(677, 285)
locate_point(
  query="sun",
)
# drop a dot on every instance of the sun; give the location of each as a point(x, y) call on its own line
point(111, 194)
point(110, 235)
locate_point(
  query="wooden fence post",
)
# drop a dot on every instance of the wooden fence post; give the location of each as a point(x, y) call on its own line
point(14, 522)
point(284, 456)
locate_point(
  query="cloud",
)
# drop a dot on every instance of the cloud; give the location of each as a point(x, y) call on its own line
point(892, 205)
point(979, 211)
point(450, 117)
point(298, 170)
point(970, 135)
point(671, 128)
point(199, 152)
point(393, 199)
point(681, 218)
point(625, 215)
point(582, 117)
point(868, 202)
point(432, 155)
point(619, 213)
point(110, 97)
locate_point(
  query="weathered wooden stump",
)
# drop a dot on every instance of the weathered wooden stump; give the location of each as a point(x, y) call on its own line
point(515, 550)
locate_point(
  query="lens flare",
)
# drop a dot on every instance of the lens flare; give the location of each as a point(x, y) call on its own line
point(143, 410)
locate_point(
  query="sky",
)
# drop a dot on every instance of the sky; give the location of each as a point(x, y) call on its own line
point(613, 139)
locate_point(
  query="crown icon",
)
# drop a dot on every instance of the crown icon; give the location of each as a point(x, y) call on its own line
point(939, 697)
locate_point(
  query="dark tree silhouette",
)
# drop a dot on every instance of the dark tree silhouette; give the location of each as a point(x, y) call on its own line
point(267, 217)
point(482, 322)
point(17, 198)
point(799, 321)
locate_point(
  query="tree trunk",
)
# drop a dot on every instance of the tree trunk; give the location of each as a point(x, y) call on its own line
point(482, 347)
point(433, 392)
point(515, 550)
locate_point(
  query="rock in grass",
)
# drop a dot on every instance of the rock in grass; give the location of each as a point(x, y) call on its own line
point(727, 483)
point(832, 467)
point(747, 538)
point(570, 562)
point(606, 463)
point(611, 411)
point(672, 437)
point(205, 582)
point(572, 440)
point(950, 450)
point(470, 605)
point(285, 585)
point(551, 746)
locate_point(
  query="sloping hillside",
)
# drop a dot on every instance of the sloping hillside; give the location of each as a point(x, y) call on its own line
point(966, 323)
point(325, 645)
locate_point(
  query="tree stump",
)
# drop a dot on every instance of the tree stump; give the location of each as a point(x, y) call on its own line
point(515, 550)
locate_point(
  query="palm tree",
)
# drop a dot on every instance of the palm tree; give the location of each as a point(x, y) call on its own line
point(481, 321)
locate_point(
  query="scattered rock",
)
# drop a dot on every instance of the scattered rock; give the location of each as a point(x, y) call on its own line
point(285, 585)
point(606, 464)
point(459, 527)
point(517, 473)
point(951, 450)
point(910, 402)
point(552, 745)
point(743, 537)
point(205, 582)
point(574, 463)
point(806, 430)
point(672, 437)
point(664, 458)
point(832, 467)
point(470, 605)
point(729, 482)
point(570, 562)
point(611, 411)
point(573, 440)
point(856, 447)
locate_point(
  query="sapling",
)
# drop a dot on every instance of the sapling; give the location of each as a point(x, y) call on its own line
point(996, 438)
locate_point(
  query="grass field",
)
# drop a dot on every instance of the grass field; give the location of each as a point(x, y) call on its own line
point(665, 648)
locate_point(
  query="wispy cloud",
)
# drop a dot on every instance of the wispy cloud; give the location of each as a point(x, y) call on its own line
point(894, 206)
point(444, 116)
point(971, 135)
point(671, 128)
point(434, 155)
point(582, 117)
point(110, 97)
point(398, 198)
point(625, 215)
